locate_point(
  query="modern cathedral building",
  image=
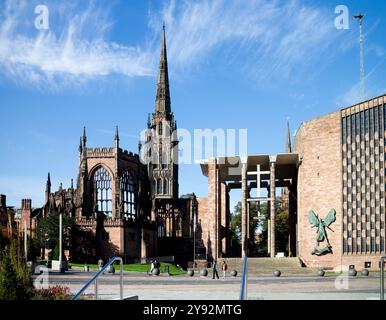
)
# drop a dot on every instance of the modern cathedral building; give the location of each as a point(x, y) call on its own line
point(342, 167)
point(334, 182)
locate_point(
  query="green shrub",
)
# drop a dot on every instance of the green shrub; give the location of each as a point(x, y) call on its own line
point(15, 278)
point(11, 286)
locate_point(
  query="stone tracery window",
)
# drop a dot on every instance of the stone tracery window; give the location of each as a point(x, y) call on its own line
point(128, 196)
point(169, 221)
point(103, 192)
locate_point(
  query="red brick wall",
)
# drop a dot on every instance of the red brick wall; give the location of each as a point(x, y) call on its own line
point(320, 186)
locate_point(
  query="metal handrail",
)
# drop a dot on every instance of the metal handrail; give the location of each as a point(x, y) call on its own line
point(382, 266)
point(94, 280)
point(244, 280)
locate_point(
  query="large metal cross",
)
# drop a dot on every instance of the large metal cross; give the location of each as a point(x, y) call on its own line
point(258, 174)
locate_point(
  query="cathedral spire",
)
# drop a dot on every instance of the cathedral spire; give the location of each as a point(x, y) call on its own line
point(288, 145)
point(162, 103)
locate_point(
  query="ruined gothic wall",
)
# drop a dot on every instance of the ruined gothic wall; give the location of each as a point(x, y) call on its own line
point(115, 238)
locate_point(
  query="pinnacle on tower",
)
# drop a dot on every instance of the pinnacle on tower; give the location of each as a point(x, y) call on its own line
point(48, 187)
point(48, 180)
point(80, 146)
point(116, 137)
point(288, 145)
point(84, 137)
point(148, 121)
point(163, 92)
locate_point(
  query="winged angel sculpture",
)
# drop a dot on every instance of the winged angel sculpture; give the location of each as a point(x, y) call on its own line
point(322, 225)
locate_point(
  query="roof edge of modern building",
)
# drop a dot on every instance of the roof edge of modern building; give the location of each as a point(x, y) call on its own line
point(303, 123)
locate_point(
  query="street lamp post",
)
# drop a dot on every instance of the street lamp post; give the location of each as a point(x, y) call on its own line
point(194, 231)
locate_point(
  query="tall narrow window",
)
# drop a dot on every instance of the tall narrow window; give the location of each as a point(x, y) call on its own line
point(161, 227)
point(166, 189)
point(103, 192)
point(128, 196)
point(159, 186)
point(160, 156)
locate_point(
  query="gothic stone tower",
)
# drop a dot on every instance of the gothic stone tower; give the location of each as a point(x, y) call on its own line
point(162, 151)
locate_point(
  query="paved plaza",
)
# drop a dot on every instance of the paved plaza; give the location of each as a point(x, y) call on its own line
point(292, 287)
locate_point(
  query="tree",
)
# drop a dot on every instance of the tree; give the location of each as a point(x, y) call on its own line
point(259, 225)
point(15, 278)
point(282, 229)
point(80, 243)
point(47, 232)
point(9, 286)
point(255, 225)
point(2, 242)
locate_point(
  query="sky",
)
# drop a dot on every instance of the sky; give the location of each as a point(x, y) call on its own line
point(232, 65)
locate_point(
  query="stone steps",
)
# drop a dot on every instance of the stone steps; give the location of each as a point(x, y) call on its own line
point(266, 266)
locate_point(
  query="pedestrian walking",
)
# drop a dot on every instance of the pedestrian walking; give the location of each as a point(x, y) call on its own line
point(224, 269)
point(215, 270)
point(100, 264)
point(152, 266)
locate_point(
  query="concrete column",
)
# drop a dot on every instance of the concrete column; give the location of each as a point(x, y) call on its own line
point(211, 228)
point(269, 237)
point(224, 219)
point(273, 209)
point(269, 226)
point(244, 208)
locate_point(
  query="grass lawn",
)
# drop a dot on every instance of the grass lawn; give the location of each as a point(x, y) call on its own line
point(173, 270)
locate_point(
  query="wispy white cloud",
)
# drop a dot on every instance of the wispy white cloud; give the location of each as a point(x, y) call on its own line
point(373, 88)
point(277, 37)
point(264, 39)
point(74, 50)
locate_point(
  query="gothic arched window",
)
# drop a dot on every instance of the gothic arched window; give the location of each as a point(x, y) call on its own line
point(166, 189)
point(128, 196)
point(103, 192)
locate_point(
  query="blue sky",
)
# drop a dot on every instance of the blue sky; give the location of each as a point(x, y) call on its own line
point(233, 64)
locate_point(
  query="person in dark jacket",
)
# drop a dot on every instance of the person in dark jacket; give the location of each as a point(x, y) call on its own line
point(215, 270)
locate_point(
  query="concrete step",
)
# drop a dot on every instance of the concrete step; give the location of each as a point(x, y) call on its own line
point(266, 266)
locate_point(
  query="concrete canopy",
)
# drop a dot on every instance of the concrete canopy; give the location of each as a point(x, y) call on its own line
point(230, 167)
